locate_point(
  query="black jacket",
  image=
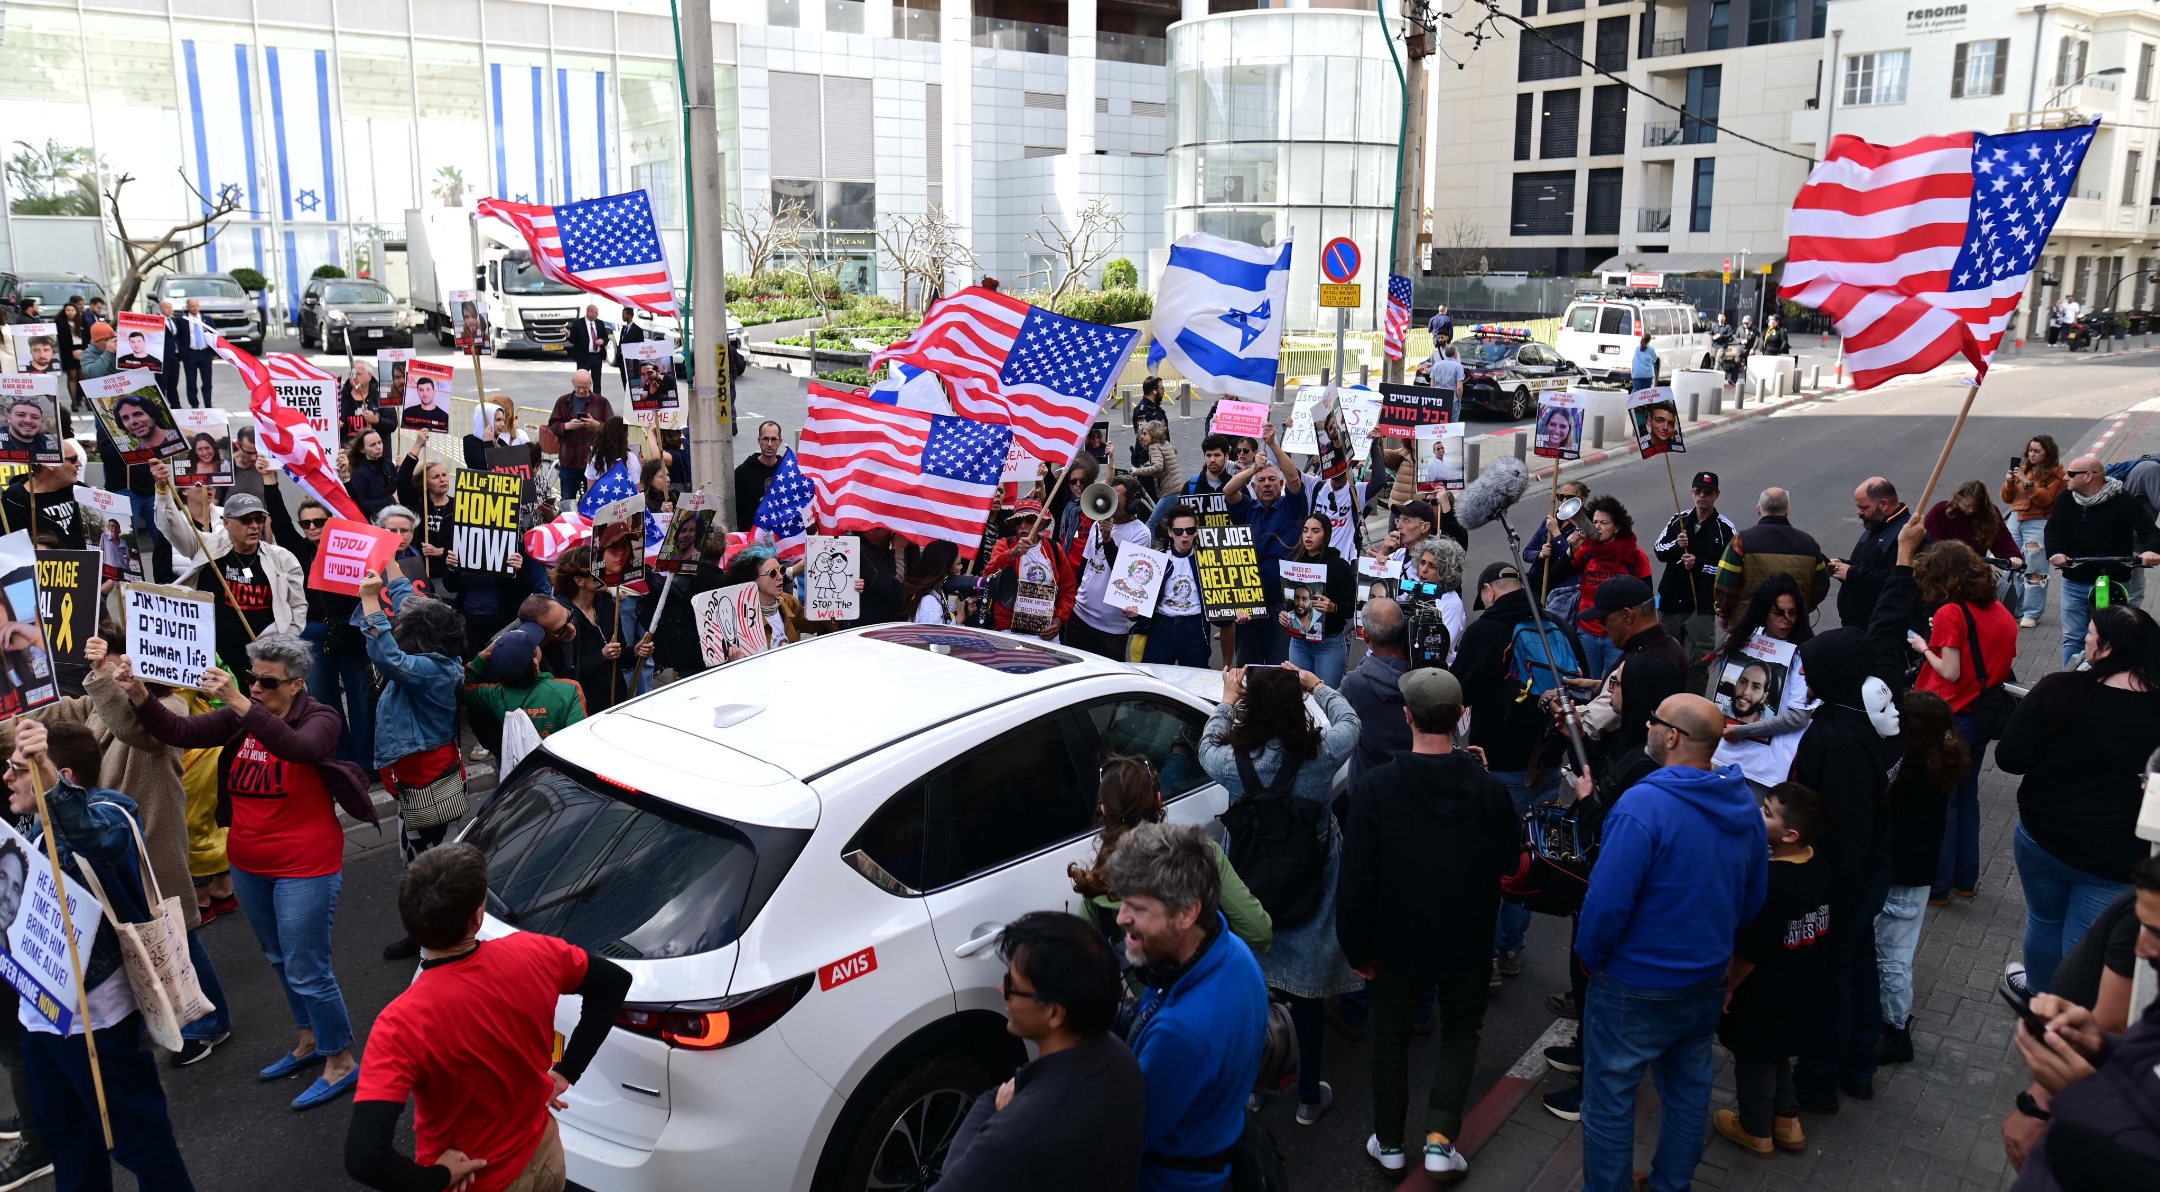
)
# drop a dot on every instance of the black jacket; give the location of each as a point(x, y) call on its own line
point(1341, 588)
point(2114, 525)
point(881, 576)
point(1428, 840)
point(1843, 759)
point(1075, 1124)
point(1870, 562)
point(586, 347)
point(373, 485)
point(1678, 590)
point(1508, 729)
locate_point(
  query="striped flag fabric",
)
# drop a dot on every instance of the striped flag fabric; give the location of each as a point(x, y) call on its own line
point(289, 366)
point(1219, 314)
point(283, 433)
point(1012, 364)
point(780, 513)
point(1397, 326)
point(1921, 252)
point(607, 246)
point(548, 542)
point(928, 477)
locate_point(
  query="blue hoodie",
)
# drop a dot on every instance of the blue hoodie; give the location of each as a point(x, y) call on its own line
point(1199, 1045)
point(1685, 862)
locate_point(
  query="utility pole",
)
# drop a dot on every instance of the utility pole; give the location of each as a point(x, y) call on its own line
point(711, 414)
point(1410, 163)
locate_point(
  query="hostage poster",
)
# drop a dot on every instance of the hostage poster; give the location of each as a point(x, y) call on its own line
point(26, 665)
point(1559, 426)
point(68, 586)
point(652, 375)
point(142, 342)
point(135, 415)
point(427, 396)
point(209, 449)
point(37, 347)
point(391, 365)
point(32, 434)
point(484, 520)
point(113, 518)
point(1655, 417)
point(1304, 587)
point(36, 959)
point(1764, 680)
point(619, 540)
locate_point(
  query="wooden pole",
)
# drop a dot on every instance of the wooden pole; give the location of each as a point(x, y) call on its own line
point(212, 565)
point(1551, 538)
point(67, 928)
point(1943, 460)
point(1674, 481)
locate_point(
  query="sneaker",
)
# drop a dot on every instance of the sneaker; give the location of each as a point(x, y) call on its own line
point(403, 949)
point(1786, 1133)
point(1442, 1161)
point(1308, 1115)
point(1389, 1158)
point(1509, 962)
point(2014, 977)
point(206, 912)
point(1895, 1046)
point(1728, 1124)
point(194, 1051)
point(2028, 622)
point(23, 1165)
point(1563, 1005)
point(11, 1127)
point(228, 905)
point(1566, 1057)
point(1565, 1104)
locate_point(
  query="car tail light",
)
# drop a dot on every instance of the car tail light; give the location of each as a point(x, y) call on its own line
point(708, 1025)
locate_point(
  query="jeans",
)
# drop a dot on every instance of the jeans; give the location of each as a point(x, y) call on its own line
point(2076, 616)
point(1308, 1021)
point(1514, 917)
point(2061, 902)
point(1636, 384)
point(1897, 937)
point(2028, 588)
point(218, 1022)
point(1325, 658)
point(1843, 1051)
point(573, 487)
point(292, 918)
point(1958, 866)
point(347, 684)
point(1763, 1086)
point(1179, 641)
point(1599, 654)
point(1462, 1018)
point(627, 613)
point(192, 369)
point(1629, 1030)
point(63, 1100)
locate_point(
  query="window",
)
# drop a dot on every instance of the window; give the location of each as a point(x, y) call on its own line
point(1544, 204)
point(1582, 318)
point(844, 16)
point(1616, 320)
point(795, 192)
point(1553, 6)
point(1772, 21)
point(1719, 34)
point(1529, 8)
point(1979, 68)
point(2131, 162)
point(1705, 183)
point(1013, 797)
point(889, 847)
point(2144, 82)
point(1562, 118)
point(1167, 735)
point(1525, 106)
point(1538, 59)
point(1601, 210)
point(2069, 60)
point(1705, 87)
point(851, 206)
point(915, 20)
point(1608, 120)
point(1876, 78)
point(1612, 33)
point(784, 14)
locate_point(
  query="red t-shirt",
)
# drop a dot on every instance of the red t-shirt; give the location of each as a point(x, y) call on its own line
point(471, 1042)
point(283, 822)
point(1998, 648)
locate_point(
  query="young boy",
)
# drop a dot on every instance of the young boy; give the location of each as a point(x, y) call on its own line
point(1776, 981)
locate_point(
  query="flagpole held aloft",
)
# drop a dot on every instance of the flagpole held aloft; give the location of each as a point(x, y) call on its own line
point(1972, 391)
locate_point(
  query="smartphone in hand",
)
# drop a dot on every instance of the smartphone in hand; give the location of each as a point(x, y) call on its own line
point(2023, 1005)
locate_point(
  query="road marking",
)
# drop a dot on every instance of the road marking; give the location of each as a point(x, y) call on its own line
point(1532, 1065)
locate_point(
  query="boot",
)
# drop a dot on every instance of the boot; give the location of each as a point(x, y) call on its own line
point(1786, 1133)
point(1895, 1046)
point(1728, 1124)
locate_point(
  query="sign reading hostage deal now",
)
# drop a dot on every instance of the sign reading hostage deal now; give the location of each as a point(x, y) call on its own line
point(484, 520)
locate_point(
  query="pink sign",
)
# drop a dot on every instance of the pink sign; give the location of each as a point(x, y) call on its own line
point(348, 552)
point(1246, 418)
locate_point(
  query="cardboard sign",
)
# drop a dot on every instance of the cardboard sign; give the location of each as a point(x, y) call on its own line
point(317, 401)
point(171, 633)
point(37, 348)
point(484, 520)
point(1406, 408)
point(1136, 579)
point(1752, 684)
point(475, 335)
point(1020, 467)
point(427, 396)
point(1361, 416)
point(1229, 568)
point(1302, 436)
point(619, 539)
point(142, 341)
point(113, 516)
point(729, 617)
point(209, 449)
point(1035, 604)
point(32, 434)
point(36, 959)
point(1559, 426)
point(391, 366)
point(652, 375)
point(68, 584)
point(1303, 586)
point(135, 415)
point(831, 566)
point(684, 542)
point(1248, 419)
point(1655, 415)
point(348, 551)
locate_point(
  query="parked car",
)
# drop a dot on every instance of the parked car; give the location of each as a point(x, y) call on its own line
point(347, 314)
point(226, 306)
point(1504, 369)
point(52, 290)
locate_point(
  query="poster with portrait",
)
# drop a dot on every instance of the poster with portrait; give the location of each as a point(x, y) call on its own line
point(209, 449)
point(1228, 564)
point(391, 365)
point(36, 347)
point(1559, 426)
point(1655, 417)
point(33, 423)
point(728, 621)
point(683, 545)
point(1451, 456)
point(69, 582)
point(35, 961)
point(171, 633)
point(1136, 579)
point(1752, 684)
point(652, 375)
point(618, 539)
point(1377, 578)
point(135, 415)
point(469, 310)
point(113, 516)
point(1304, 587)
point(142, 341)
point(26, 664)
point(427, 395)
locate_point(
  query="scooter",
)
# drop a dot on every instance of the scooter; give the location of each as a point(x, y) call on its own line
point(2077, 335)
point(1733, 359)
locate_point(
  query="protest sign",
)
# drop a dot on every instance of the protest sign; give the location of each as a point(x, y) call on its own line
point(427, 396)
point(36, 347)
point(652, 375)
point(1405, 409)
point(26, 665)
point(135, 415)
point(1559, 426)
point(1656, 419)
point(1246, 418)
point(1304, 584)
point(619, 538)
point(1229, 568)
point(684, 542)
point(36, 960)
point(1449, 456)
point(729, 617)
point(171, 633)
point(142, 341)
point(209, 453)
point(68, 584)
point(517, 460)
point(347, 552)
point(1361, 416)
point(390, 380)
point(1136, 579)
point(113, 515)
point(475, 336)
point(484, 520)
point(1302, 437)
point(33, 423)
point(1213, 508)
point(316, 401)
point(1752, 683)
point(1035, 604)
point(832, 565)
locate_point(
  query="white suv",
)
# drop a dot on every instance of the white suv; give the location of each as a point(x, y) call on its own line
point(804, 859)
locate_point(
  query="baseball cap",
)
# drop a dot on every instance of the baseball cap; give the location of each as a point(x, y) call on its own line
point(511, 659)
point(241, 505)
point(1025, 508)
point(1421, 510)
point(1621, 591)
point(1494, 573)
point(1429, 687)
point(1705, 480)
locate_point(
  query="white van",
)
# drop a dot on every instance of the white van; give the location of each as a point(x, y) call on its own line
point(1598, 334)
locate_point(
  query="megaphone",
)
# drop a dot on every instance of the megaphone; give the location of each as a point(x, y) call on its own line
point(1567, 509)
point(1098, 501)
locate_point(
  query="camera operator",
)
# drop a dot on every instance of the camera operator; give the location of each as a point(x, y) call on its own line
point(1432, 600)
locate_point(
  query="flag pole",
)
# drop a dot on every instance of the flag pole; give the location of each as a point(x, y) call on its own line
point(1678, 509)
point(1943, 460)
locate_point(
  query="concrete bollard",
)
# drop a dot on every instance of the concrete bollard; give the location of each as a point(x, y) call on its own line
point(1278, 387)
point(1740, 398)
point(1717, 401)
point(1522, 446)
point(1323, 376)
point(1184, 397)
point(1815, 377)
point(1470, 461)
point(1597, 431)
point(1694, 408)
point(1364, 374)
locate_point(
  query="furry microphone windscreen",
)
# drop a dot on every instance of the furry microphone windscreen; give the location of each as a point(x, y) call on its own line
point(1500, 485)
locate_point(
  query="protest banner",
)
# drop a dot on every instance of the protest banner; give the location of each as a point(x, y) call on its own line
point(316, 401)
point(1302, 437)
point(68, 585)
point(684, 543)
point(1559, 426)
point(32, 418)
point(347, 552)
point(36, 347)
point(1136, 579)
point(36, 960)
point(171, 633)
point(652, 375)
point(729, 617)
point(113, 515)
point(1304, 584)
point(475, 335)
point(618, 535)
point(1248, 419)
point(142, 341)
point(484, 520)
point(1752, 683)
point(1361, 416)
point(135, 415)
point(427, 396)
point(1406, 409)
point(391, 365)
point(1656, 419)
point(1213, 508)
point(832, 565)
point(1449, 456)
point(209, 453)
point(1228, 565)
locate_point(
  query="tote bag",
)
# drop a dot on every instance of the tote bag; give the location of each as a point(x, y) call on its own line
point(155, 955)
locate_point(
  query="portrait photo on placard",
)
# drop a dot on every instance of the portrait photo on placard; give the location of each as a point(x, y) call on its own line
point(209, 457)
point(1750, 687)
point(136, 416)
point(474, 335)
point(1559, 427)
point(1655, 417)
point(652, 375)
point(427, 396)
point(32, 423)
point(391, 365)
point(36, 347)
point(142, 342)
point(1304, 593)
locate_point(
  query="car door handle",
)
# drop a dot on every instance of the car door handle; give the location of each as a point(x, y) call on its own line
point(978, 943)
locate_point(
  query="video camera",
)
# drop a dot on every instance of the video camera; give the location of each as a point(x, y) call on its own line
point(1428, 637)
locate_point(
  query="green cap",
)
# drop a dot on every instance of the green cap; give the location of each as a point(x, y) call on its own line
point(1429, 687)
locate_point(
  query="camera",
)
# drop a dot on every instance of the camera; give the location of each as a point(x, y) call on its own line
point(1429, 640)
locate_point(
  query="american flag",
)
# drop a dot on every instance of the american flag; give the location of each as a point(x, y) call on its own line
point(1010, 363)
point(607, 246)
point(780, 513)
point(1398, 315)
point(1921, 251)
point(928, 477)
point(282, 432)
point(288, 366)
point(547, 542)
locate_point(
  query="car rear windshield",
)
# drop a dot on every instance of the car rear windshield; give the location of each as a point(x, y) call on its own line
point(335, 294)
point(620, 873)
point(1486, 351)
point(54, 294)
point(180, 289)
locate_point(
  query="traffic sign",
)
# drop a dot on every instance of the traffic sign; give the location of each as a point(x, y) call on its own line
point(1340, 259)
point(1350, 296)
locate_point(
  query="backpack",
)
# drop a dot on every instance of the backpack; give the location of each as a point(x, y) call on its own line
point(2120, 469)
point(1531, 657)
point(1552, 872)
point(1279, 843)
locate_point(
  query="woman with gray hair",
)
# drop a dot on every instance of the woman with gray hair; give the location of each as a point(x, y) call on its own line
point(1440, 563)
point(286, 846)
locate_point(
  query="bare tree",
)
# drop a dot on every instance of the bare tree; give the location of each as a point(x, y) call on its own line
point(763, 234)
point(1096, 231)
point(147, 256)
point(926, 249)
point(794, 240)
point(1461, 245)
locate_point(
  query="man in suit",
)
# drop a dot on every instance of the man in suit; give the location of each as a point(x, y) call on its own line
point(169, 359)
point(631, 334)
point(588, 344)
point(196, 355)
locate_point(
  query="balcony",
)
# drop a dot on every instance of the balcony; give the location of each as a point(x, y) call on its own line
point(1129, 47)
point(914, 24)
point(1657, 136)
point(997, 33)
point(1664, 47)
point(1653, 219)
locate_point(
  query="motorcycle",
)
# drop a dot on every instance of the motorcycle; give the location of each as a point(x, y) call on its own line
point(1733, 359)
point(2077, 334)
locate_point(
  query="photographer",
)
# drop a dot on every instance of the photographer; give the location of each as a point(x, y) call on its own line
point(1431, 596)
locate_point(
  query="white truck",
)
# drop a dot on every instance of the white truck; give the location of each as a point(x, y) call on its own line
point(447, 249)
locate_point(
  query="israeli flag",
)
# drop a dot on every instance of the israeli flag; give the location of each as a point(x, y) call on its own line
point(1219, 313)
point(223, 119)
point(581, 123)
point(912, 388)
point(517, 98)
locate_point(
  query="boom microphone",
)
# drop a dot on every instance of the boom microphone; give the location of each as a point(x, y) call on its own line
point(1497, 487)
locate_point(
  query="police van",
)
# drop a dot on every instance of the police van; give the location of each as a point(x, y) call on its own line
point(1599, 330)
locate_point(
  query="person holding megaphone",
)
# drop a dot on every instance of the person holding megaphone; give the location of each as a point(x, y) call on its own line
point(1097, 625)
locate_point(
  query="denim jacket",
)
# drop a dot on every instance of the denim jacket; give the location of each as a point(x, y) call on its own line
point(419, 705)
point(93, 831)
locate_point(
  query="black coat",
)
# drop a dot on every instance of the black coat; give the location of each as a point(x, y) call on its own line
point(881, 594)
point(1870, 562)
point(1509, 730)
point(1428, 840)
point(1075, 1123)
point(1843, 759)
point(373, 485)
point(584, 346)
point(2115, 526)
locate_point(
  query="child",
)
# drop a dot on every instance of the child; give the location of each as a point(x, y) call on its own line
point(1776, 982)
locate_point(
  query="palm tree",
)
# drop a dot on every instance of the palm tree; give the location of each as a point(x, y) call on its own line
point(450, 186)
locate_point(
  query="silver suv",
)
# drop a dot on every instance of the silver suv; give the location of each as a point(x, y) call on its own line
point(225, 305)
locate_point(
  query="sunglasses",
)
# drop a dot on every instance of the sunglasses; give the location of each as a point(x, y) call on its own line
point(775, 573)
point(270, 684)
point(18, 770)
point(311, 523)
point(253, 519)
point(1785, 614)
point(1178, 531)
point(2084, 472)
point(1663, 723)
point(1005, 987)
